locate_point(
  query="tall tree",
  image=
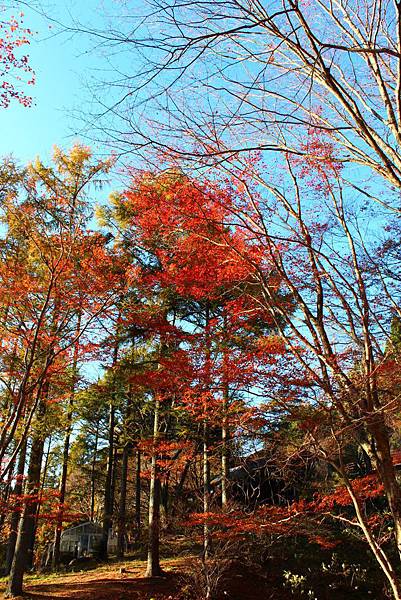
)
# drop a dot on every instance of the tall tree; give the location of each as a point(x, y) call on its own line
point(48, 255)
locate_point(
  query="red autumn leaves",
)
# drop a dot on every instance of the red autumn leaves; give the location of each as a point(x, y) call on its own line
point(15, 70)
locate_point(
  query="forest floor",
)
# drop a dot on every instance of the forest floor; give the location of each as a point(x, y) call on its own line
point(105, 583)
point(345, 573)
point(126, 581)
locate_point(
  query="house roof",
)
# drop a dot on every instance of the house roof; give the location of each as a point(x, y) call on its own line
point(81, 525)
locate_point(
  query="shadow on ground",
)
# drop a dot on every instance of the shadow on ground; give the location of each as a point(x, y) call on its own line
point(127, 588)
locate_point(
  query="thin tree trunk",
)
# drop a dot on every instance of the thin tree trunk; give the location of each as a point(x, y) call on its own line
point(206, 492)
point(225, 433)
point(93, 474)
point(224, 463)
point(183, 476)
point(114, 474)
point(153, 566)
point(66, 452)
point(15, 517)
point(378, 552)
point(205, 441)
point(62, 489)
point(108, 499)
point(121, 536)
point(108, 502)
point(138, 487)
point(164, 503)
point(207, 537)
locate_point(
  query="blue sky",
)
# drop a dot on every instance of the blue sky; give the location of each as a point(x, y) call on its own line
point(61, 66)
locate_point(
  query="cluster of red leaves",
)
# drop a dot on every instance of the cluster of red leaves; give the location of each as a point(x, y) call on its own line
point(363, 487)
point(188, 227)
point(14, 69)
point(297, 517)
point(169, 376)
point(52, 516)
point(48, 497)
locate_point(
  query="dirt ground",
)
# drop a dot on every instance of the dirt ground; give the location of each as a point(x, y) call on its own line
point(105, 583)
point(109, 583)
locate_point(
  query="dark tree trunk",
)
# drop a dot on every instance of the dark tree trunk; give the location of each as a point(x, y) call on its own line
point(184, 476)
point(26, 529)
point(122, 504)
point(107, 520)
point(225, 431)
point(138, 495)
point(164, 503)
point(93, 474)
point(7, 493)
point(15, 517)
point(114, 474)
point(66, 452)
point(39, 503)
point(225, 436)
point(206, 492)
point(205, 440)
point(387, 474)
point(62, 490)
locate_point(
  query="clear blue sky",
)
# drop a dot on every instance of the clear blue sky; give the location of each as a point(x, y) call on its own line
point(61, 66)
